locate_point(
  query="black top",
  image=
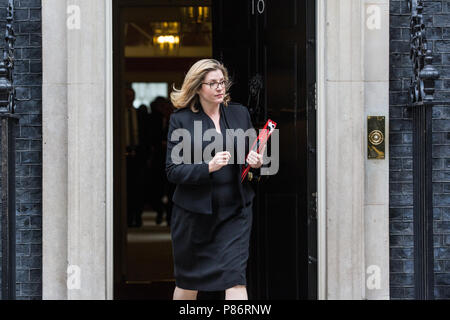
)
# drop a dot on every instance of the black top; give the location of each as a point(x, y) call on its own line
point(224, 181)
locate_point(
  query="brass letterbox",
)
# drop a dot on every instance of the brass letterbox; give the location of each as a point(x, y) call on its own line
point(376, 137)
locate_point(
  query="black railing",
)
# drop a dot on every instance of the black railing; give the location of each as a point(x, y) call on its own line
point(421, 100)
point(8, 123)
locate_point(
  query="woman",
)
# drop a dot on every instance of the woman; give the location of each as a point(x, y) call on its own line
point(212, 211)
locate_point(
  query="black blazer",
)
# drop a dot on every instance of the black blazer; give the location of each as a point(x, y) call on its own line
point(193, 181)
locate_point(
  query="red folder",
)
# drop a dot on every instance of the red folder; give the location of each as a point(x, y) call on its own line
point(259, 143)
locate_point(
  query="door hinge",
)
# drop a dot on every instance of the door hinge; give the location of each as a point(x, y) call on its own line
point(312, 260)
point(314, 205)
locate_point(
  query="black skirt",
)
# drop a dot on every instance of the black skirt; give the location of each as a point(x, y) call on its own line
point(211, 251)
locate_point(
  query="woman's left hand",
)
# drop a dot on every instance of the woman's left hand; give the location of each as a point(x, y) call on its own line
point(254, 159)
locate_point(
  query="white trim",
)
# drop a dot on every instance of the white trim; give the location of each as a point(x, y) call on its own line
point(86, 157)
point(54, 151)
point(321, 151)
point(109, 244)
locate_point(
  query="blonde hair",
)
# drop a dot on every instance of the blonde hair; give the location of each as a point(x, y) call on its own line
point(187, 96)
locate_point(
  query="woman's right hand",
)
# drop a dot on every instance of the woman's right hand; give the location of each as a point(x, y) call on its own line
point(220, 159)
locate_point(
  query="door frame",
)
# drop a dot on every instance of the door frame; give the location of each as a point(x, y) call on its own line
point(64, 71)
point(321, 151)
point(109, 113)
point(321, 134)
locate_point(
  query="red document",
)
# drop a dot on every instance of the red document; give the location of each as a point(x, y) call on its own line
point(259, 144)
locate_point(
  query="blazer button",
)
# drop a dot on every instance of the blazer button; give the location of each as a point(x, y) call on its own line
point(250, 176)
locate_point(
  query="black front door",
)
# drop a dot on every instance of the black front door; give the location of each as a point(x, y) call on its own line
point(269, 49)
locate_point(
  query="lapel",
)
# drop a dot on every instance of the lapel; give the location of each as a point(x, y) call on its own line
point(229, 121)
point(234, 125)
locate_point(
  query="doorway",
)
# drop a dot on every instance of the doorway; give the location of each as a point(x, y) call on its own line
point(270, 53)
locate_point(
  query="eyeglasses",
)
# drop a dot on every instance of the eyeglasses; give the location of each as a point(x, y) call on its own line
point(215, 85)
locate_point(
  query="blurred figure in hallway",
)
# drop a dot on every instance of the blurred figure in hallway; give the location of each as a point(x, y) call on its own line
point(160, 189)
point(136, 154)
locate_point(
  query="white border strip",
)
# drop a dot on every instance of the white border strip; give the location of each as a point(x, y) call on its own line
point(321, 151)
point(109, 244)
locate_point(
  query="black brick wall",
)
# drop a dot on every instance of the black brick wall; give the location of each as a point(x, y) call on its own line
point(437, 19)
point(28, 82)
